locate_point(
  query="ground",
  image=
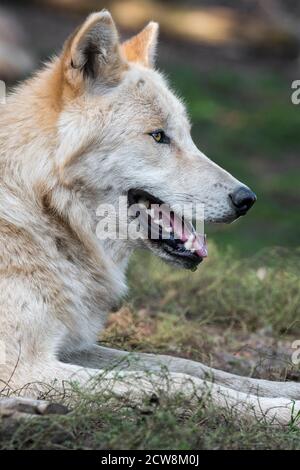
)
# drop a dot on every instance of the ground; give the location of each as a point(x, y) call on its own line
point(235, 314)
point(240, 310)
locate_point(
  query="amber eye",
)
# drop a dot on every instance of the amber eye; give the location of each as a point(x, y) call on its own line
point(160, 137)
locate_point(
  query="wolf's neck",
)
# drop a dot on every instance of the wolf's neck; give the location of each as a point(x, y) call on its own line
point(28, 133)
point(115, 247)
point(119, 252)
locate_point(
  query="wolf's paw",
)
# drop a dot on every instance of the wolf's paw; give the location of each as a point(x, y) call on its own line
point(24, 407)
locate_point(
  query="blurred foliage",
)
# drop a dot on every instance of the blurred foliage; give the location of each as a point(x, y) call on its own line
point(246, 122)
point(226, 290)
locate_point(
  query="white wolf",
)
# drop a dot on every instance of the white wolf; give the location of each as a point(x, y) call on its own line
point(99, 122)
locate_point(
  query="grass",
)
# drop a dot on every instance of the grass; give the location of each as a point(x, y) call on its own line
point(101, 424)
point(196, 315)
point(233, 313)
point(239, 311)
point(226, 289)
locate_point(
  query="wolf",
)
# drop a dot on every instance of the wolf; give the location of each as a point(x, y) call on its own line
point(97, 123)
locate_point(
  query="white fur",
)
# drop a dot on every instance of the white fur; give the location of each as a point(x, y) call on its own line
point(67, 145)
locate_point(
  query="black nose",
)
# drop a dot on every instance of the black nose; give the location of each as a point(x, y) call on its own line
point(242, 199)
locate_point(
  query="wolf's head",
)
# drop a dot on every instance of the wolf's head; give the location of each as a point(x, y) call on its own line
point(122, 132)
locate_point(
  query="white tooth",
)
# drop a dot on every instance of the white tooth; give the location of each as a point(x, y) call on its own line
point(144, 203)
point(150, 212)
point(188, 244)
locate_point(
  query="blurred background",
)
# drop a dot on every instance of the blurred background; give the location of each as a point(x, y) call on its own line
point(233, 62)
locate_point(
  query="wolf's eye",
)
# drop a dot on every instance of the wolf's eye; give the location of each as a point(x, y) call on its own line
point(160, 137)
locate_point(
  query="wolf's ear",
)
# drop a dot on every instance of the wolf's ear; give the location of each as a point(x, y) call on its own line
point(93, 50)
point(142, 47)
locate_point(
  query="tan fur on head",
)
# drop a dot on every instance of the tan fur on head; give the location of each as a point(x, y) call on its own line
point(142, 47)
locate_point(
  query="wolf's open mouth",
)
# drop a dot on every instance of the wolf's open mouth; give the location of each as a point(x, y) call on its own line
point(166, 229)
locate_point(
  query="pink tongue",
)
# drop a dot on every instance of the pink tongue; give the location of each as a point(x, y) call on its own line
point(183, 233)
point(199, 245)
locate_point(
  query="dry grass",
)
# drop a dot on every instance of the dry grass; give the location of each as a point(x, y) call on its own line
point(219, 315)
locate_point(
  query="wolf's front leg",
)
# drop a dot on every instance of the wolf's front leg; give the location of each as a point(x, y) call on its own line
point(135, 386)
point(98, 356)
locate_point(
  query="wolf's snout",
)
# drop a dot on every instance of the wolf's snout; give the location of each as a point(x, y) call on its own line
point(242, 199)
